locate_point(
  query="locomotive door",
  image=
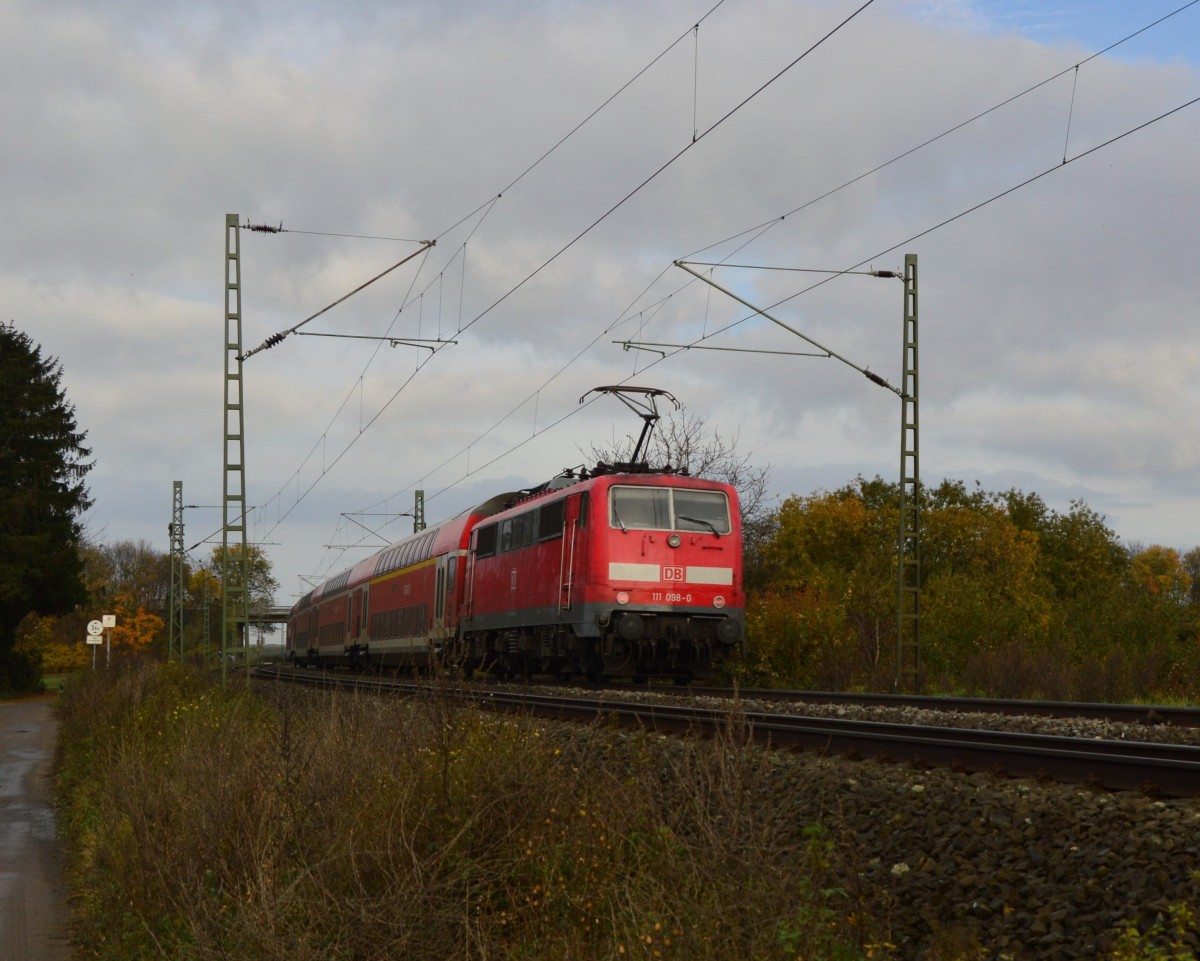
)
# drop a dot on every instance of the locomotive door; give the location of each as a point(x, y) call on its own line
point(573, 552)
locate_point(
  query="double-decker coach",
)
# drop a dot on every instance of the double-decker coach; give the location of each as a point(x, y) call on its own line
point(398, 608)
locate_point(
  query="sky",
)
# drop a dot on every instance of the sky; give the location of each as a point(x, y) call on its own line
point(563, 156)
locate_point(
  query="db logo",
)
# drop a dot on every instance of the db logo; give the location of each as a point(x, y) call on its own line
point(672, 573)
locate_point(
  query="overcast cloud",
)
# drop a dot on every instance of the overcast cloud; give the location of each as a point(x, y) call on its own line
point(1058, 347)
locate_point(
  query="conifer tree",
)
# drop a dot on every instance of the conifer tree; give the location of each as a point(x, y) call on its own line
point(42, 498)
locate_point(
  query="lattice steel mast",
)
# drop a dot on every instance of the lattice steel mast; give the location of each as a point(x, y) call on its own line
point(235, 595)
point(175, 530)
point(908, 567)
point(418, 512)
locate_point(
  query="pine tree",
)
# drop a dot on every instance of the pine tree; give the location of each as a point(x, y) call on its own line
point(42, 497)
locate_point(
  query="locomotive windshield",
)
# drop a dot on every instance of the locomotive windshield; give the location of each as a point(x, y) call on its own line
point(668, 509)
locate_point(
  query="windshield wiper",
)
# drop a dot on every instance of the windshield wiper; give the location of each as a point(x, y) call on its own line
point(617, 515)
point(696, 520)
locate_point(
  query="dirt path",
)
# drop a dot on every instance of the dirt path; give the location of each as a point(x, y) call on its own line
point(33, 911)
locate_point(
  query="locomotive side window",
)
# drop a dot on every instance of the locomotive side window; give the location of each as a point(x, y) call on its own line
point(527, 526)
point(485, 541)
point(506, 535)
point(550, 521)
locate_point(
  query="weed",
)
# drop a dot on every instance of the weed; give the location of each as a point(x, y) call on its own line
point(209, 822)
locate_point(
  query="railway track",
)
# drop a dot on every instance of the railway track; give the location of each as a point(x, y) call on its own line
point(1167, 769)
point(1119, 713)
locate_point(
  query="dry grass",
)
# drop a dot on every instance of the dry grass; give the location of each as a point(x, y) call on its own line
point(208, 823)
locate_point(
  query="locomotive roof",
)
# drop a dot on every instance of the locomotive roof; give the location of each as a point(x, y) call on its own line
point(499, 503)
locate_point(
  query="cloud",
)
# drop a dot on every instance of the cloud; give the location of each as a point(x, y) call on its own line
point(1056, 323)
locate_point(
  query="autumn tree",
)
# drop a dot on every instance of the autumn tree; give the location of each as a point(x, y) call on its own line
point(137, 628)
point(1162, 637)
point(685, 442)
point(43, 463)
point(261, 582)
point(1017, 599)
point(983, 595)
point(822, 588)
point(139, 573)
point(1191, 564)
point(1159, 571)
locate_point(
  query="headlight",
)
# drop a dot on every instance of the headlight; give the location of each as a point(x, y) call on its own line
point(718, 601)
point(622, 597)
point(674, 540)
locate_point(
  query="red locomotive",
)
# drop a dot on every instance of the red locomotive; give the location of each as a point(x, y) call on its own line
point(619, 571)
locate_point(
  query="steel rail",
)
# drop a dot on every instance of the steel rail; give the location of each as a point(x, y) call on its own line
point(1179, 716)
point(1167, 769)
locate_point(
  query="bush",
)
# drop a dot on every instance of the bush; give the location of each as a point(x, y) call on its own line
point(210, 823)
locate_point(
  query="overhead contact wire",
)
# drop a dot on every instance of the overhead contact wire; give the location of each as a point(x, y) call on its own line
point(750, 97)
point(758, 229)
point(767, 224)
point(636, 190)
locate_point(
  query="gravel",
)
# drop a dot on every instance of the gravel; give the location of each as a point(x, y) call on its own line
point(1019, 869)
point(984, 866)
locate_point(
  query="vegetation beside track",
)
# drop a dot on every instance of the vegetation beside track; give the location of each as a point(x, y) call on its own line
point(207, 822)
point(1017, 599)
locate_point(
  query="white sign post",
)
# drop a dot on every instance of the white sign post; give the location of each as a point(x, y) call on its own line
point(94, 629)
point(108, 622)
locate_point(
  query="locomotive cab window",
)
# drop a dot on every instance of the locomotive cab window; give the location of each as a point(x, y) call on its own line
point(667, 509)
point(700, 511)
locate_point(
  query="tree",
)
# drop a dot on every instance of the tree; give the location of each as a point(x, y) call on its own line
point(260, 578)
point(1159, 571)
point(983, 594)
point(141, 573)
point(1191, 565)
point(822, 595)
point(1017, 599)
point(685, 442)
point(43, 463)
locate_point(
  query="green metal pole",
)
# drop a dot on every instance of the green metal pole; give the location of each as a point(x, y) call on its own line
point(234, 587)
point(175, 631)
point(908, 566)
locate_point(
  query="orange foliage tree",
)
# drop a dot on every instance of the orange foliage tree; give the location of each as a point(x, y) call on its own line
point(136, 627)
